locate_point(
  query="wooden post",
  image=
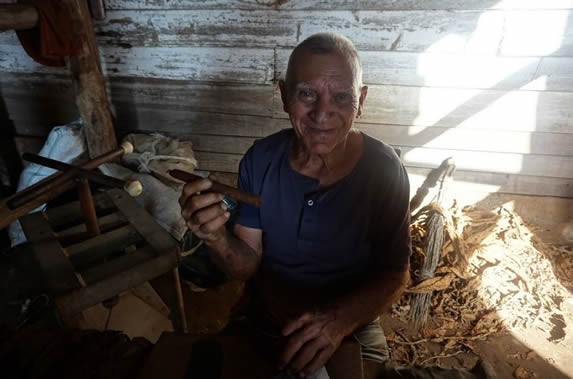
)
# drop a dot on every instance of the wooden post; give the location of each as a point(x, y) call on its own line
point(89, 84)
point(17, 16)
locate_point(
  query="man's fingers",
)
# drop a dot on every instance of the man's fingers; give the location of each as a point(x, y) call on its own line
point(198, 202)
point(214, 225)
point(318, 361)
point(298, 323)
point(296, 341)
point(306, 354)
point(191, 188)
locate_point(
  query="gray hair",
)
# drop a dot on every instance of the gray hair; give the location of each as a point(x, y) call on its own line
point(329, 43)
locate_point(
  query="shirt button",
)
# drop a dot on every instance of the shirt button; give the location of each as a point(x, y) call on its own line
point(310, 203)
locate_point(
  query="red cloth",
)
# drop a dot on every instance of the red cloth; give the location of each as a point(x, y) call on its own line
point(52, 39)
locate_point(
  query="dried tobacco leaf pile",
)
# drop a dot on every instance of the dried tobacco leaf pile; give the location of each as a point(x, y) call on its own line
point(493, 275)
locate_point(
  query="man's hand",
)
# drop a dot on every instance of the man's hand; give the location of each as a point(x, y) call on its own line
point(311, 339)
point(203, 212)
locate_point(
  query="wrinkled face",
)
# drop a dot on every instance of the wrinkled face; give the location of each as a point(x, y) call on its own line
point(322, 99)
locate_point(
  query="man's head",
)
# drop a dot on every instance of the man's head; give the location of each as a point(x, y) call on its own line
point(323, 92)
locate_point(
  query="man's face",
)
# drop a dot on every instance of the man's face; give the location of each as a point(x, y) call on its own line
point(322, 99)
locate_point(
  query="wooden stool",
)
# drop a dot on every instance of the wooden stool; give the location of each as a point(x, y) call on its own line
point(86, 260)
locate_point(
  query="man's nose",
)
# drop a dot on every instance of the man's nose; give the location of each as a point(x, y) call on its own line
point(321, 110)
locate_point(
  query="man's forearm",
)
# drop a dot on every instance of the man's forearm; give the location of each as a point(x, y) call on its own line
point(369, 301)
point(234, 257)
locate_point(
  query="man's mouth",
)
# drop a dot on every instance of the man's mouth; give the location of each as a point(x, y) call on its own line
point(322, 131)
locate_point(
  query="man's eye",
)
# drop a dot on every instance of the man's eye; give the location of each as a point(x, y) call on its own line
point(343, 97)
point(306, 95)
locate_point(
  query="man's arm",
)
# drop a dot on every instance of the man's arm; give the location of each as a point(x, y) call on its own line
point(238, 254)
point(374, 298)
point(314, 336)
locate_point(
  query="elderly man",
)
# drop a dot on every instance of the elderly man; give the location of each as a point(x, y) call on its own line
point(328, 251)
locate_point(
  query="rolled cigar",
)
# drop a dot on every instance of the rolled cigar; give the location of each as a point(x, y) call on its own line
point(130, 187)
point(244, 197)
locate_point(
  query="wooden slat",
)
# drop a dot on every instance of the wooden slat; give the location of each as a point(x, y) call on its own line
point(183, 123)
point(57, 269)
point(540, 143)
point(106, 223)
point(145, 225)
point(117, 265)
point(231, 64)
point(81, 299)
point(501, 182)
point(441, 70)
point(17, 16)
point(218, 162)
point(227, 64)
point(480, 32)
point(507, 163)
point(70, 214)
point(437, 138)
point(466, 31)
point(228, 98)
point(93, 250)
point(210, 64)
point(380, 5)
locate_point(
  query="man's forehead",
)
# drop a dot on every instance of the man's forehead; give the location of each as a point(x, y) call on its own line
point(307, 67)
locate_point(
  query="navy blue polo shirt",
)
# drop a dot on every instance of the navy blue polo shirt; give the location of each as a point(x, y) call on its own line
point(315, 237)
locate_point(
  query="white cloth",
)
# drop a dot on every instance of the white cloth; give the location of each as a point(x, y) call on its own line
point(159, 199)
point(65, 143)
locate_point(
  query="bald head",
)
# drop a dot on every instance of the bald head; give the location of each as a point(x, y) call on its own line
point(327, 43)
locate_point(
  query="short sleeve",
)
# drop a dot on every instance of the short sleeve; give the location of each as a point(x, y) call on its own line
point(391, 231)
point(248, 215)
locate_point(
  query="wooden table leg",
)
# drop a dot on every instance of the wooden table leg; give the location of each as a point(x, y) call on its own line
point(180, 305)
point(88, 208)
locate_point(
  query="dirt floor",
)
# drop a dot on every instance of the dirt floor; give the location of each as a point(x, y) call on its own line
point(502, 292)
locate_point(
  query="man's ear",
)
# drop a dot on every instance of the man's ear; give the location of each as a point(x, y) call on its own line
point(284, 95)
point(361, 100)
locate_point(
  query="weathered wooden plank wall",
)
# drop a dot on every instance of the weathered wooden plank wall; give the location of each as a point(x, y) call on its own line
point(488, 82)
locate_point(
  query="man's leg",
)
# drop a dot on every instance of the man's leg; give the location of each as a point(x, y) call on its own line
point(372, 342)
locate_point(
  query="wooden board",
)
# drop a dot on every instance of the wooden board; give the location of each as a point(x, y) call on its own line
point(434, 138)
point(380, 5)
point(95, 293)
point(475, 32)
point(232, 64)
point(148, 229)
point(57, 269)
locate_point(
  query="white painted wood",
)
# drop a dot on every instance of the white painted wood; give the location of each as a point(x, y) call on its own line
point(450, 70)
point(473, 140)
point(257, 66)
point(463, 32)
point(191, 63)
point(380, 5)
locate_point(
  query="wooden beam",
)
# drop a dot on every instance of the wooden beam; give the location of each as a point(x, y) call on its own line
point(89, 85)
point(17, 16)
